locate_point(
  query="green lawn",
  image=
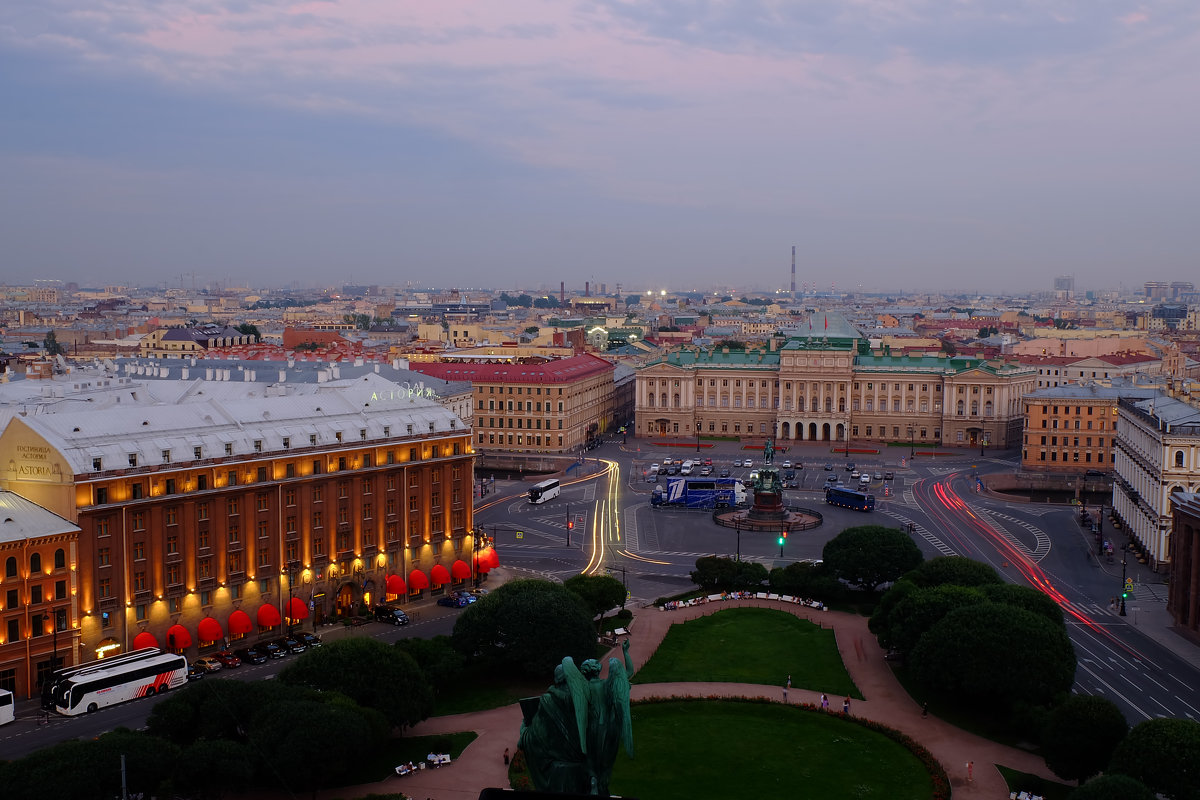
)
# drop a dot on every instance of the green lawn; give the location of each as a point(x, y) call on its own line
point(1024, 782)
point(750, 645)
point(724, 749)
point(479, 690)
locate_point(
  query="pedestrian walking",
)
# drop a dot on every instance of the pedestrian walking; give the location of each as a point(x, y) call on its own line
point(506, 756)
point(970, 772)
point(785, 690)
point(846, 705)
point(789, 682)
point(925, 709)
point(824, 703)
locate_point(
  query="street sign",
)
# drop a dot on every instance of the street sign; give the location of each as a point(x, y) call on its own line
point(1129, 584)
point(520, 534)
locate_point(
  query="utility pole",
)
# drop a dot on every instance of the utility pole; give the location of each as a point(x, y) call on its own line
point(570, 524)
point(623, 581)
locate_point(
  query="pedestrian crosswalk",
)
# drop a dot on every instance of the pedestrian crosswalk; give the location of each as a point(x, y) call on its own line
point(921, 531)
point(1041, 540)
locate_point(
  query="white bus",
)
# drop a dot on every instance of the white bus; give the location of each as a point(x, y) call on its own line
point(8, 707)
point(142, 673)
point(546, 490)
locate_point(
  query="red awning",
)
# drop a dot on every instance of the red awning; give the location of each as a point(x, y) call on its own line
point(418, 580)
point(395, 585)
point(268, 616)
point(240, 623)
point(209, 630)
point(439, 574)
point(178, 638)
point(460, 570)
point(297, 609)
point(487, 560)
point(144, 639)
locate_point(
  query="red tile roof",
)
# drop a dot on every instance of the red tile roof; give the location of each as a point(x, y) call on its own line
point(563, 370)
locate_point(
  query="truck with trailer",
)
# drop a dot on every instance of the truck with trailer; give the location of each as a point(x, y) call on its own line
point(700, 493)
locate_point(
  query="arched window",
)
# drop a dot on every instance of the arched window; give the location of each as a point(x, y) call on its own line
point(10, 567)
point(35, 563)
point(650, 400)
point(1178, 458)
point(987, 408)
point(662, 399)
point(974, 408)
point(961, 407)
point(675, 401)
point(60, 559)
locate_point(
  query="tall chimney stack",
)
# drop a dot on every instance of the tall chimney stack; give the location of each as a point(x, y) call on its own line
point(562, 293)
point(587, 288)
point(793, 273)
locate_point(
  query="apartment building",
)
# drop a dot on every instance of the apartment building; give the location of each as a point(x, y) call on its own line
point(556, 406)
point(1073, 428)
point(1183, 592)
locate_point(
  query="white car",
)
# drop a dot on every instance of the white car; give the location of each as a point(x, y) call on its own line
point(865, 480)
point(878, 476)
point(854, 474)
point(747, 462)
point(787, 464)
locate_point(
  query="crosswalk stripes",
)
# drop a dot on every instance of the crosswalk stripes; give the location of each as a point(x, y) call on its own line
point(1042, 546)
point(925, 534)
point(630, 530)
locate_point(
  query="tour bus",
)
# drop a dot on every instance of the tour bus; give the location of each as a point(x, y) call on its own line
point(848, 498)
point(8, 707)
point(546, 490)
point(687, 467)
point(142, 673)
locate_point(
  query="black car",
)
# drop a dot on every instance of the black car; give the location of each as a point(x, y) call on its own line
point(307, 639)
point(828, 467)
point(251, 655)
point(273, 650)
point(887, 476)
point(724, 472)
point(195, 673)
point(850, 467)
point(390, 615)
point(790, 475)
point(291, 644)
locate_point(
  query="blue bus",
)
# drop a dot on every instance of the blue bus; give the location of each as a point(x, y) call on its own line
point(848, 498)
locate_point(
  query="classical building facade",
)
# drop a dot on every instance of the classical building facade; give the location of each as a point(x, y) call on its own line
point(210, 513)
point(1157, 455)
point(829, 387)
point(558, 406)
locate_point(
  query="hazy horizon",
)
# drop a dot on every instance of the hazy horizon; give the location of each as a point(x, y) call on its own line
point(900, 146)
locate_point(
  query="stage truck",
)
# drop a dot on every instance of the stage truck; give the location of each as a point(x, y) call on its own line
point(703, 493)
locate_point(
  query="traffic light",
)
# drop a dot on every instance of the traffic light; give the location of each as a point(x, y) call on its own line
point(570, 524)
point(782, 538)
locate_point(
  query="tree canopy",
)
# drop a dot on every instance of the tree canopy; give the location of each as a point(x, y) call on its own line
point(369, 672)
point(1113, 786)
point(920, 610)
point(1080, 736)
point(996, 653)
point(1164, 754)
point(871, 555)
point(721, 574)
point(599, 593)
point(526, 627)
point(440, 663)
point(958, 570)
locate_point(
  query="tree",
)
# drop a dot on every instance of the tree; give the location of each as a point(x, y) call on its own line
point(806, 579)
point(1113, 786)
point(370, 673)
point(210, 766)
point(526, 627)
point(870, 555)
point(213, 709)
point(1024, 597)
point(1164, 754)
point(995, 653)
point(51, 346)
point(598, 593)
point(92, 768)
point(248, 329)
point(292, 754)
point(532, 330)
point(719, 573)
point(440, 663)
point(1080, 736)
point(953, 569)
point(920, 610)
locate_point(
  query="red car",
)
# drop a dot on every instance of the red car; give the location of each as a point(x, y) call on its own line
point(708, 462)
point(228, 659)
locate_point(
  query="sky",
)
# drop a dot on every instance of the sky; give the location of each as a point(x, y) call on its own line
point(899, 145)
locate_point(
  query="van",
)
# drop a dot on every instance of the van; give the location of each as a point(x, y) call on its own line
point(8, 707)
point(686, 468)
point(391, 615)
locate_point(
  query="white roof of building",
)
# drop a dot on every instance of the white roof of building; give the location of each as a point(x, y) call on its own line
point(163, 421)
point(24, 519)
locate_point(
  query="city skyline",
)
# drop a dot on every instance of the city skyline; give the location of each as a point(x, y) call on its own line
point(985, 149)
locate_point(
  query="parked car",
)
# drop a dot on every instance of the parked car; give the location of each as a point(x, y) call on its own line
point(228, 659)
point(790, 475)
point(724, 472)
point(672, 470)
point(480, 592)
point(828, 467)
point(195, 673)
point(465, 595)
point(787, 464)
point(747, 462)
point(291, 644)
point(390, 615)
point(705, 471)
point(850, 467)
point(708, 462)
point(854, 474)
point(889, 475)
point(273, 650)
point(864, 480)
point(208, 664)
point(878, 476)
point(450, 601)
point(307, 639)
point(251, 655)
point(654, 468)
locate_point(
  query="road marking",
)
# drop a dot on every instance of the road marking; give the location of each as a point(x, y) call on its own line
point(1043, 541)
point(925, 534)
point(1113, 690)
point(631, 529)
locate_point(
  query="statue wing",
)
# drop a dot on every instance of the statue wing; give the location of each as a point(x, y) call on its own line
point(618, 696)
point(577, 685)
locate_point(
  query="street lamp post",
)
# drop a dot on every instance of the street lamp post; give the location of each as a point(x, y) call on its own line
point(1124, 553)
point(54, 636)
point(912, 448)
point(291, 571)
point(624, 582)
point(737, 527)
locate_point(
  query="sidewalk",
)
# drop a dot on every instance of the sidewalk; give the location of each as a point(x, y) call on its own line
point(481, 765)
